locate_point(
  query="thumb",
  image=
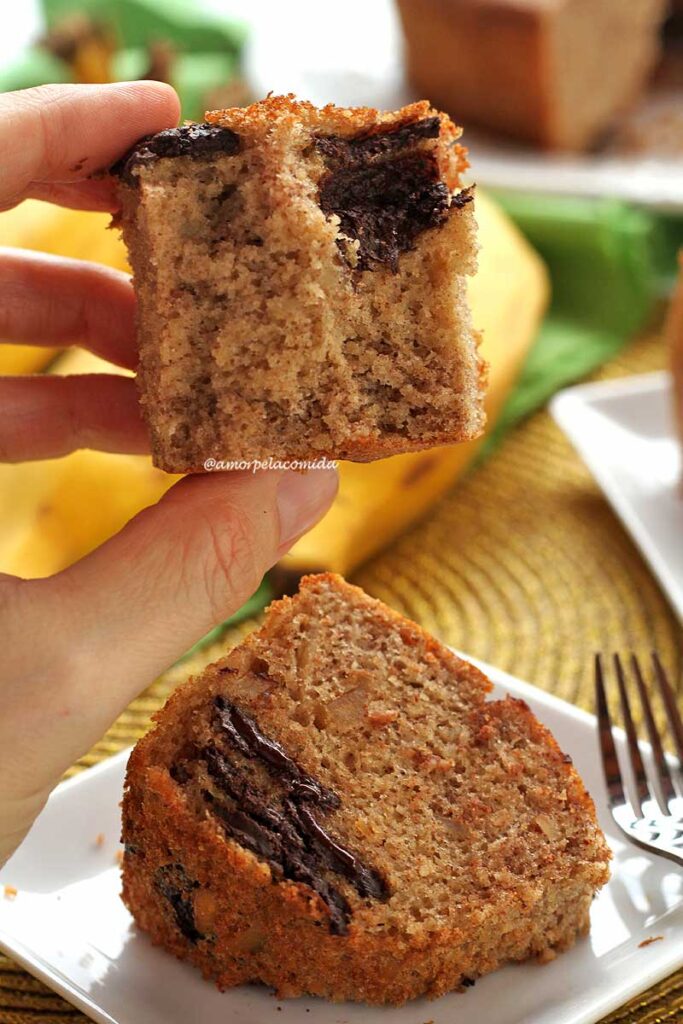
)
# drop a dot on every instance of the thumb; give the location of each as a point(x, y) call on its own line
point(116, 619)
point(184, 565)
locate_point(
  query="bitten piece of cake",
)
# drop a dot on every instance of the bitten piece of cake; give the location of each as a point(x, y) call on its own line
point(335, 808)
point(301, 278)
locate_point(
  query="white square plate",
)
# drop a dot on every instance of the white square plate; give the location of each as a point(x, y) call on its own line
point(68, 926)
point(624, 431)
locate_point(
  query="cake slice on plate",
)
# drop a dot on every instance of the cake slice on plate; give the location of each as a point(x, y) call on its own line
point(335, 808)
point(301, 278)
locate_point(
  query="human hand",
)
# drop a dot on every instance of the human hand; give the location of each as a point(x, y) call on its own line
point(79, 646)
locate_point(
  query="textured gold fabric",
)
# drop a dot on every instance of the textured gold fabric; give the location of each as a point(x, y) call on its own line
point(525, 566)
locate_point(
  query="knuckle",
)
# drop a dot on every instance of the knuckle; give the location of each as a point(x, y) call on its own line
point(44, 106)
point(233, 565)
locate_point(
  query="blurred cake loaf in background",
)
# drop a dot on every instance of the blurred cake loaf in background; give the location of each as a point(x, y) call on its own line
point(654, 126)
point(554, 73)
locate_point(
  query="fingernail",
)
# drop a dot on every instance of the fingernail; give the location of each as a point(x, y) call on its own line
point(302, 498)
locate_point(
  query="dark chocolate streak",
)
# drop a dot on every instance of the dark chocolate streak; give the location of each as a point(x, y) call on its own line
point(384, 195)
point(175, 886)
point(340, 152)
point(194, 140)
point(246, 737)
point(288, 836)
point(271, 835)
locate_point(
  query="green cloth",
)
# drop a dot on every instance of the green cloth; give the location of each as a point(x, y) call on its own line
point(208, 46)
point(185, 23)
point(263, 596)
point(610, 264)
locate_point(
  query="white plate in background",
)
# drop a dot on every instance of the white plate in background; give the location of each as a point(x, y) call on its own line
point(624, 431)
point(351, 54)
point(68, 926)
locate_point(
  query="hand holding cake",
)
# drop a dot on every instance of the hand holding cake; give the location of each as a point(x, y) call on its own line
point(82, 644)
point(300, 276)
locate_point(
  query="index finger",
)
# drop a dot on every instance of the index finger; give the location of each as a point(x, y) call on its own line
point(58, 134)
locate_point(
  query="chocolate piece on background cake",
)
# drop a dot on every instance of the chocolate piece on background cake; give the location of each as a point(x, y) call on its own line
point(335, 808)
point(301, 279)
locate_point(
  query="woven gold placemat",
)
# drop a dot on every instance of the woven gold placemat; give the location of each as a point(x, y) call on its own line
point(525, 566)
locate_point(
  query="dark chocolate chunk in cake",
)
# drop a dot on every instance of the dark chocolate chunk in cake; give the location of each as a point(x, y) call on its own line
point(384, 195)
point(176, 888)
point(197, 141)
point(284, 826)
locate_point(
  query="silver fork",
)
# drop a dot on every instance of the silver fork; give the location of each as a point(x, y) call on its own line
point(652, 816)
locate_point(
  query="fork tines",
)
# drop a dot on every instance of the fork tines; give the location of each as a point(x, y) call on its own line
point(652, 816)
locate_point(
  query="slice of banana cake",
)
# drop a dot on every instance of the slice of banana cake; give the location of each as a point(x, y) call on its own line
point(335, 808)
point(301, 278)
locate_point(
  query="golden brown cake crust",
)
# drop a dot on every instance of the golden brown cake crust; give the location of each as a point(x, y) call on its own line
point(286, 112)
point(301, 282)
point(477, 823)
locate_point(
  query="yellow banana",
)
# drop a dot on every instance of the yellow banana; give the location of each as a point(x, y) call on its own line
point(377, 501)
point(47, 228)
point(54, 512)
